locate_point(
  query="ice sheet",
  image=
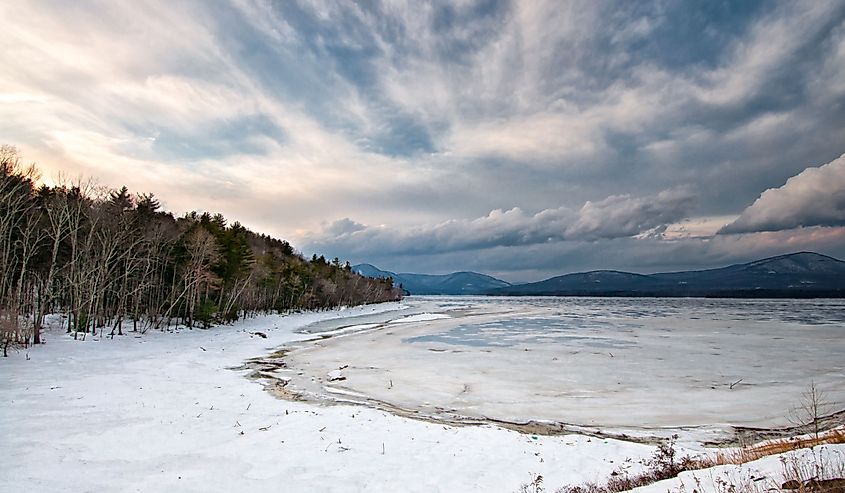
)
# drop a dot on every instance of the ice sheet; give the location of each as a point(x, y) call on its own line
point(606, 363)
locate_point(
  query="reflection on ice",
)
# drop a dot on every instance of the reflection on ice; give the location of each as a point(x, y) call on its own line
point(504, 333)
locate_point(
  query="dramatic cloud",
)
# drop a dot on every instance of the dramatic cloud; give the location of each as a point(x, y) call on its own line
point(600, 114)
point(613, 217)
point(814, 197)
point(621, 215)
point(639, 254)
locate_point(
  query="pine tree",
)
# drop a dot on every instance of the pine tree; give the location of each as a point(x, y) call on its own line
point(105, 259)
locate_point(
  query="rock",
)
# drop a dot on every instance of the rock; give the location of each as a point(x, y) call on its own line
point(335, 375)
point(826, 485)
point(836, 485)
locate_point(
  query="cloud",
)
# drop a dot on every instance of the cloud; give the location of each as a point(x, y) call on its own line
point(612, 217)
point(814, 197)
point(621, 215)
point(524, 263)
point(342, 227)
point(422, 119)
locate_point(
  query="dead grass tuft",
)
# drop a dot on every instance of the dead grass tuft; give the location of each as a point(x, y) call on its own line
point(819, 475)
point(751, 453)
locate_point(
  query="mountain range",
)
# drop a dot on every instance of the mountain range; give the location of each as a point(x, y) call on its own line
point(454, 283)
point(802, 274)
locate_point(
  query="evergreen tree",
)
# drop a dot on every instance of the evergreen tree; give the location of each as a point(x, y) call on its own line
point(103, 260)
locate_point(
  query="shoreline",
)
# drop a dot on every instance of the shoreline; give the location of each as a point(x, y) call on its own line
point(262, 368)
point(265, 368)
point(174, 412)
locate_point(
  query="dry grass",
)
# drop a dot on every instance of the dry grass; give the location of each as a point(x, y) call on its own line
point(803, 475)
point(743, 455)
point(665, 464)
point(817, 470)
point(825, 473)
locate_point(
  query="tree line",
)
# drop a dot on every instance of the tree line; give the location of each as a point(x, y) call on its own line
point(106, 259)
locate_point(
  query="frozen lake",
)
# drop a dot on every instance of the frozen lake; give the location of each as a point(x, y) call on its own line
point(618, 364)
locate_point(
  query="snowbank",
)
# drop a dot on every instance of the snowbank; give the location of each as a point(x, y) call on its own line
point(165, 412)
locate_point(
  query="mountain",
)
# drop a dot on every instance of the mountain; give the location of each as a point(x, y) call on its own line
point(454, 283)
point(368, 270)
point(803, 274)
point(597, 282)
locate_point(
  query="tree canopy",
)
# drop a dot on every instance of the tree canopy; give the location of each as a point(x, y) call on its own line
point(104, 258)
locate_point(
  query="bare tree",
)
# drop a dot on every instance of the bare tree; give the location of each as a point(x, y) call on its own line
point(813, 406)
point(19, 241)
point(100, 256)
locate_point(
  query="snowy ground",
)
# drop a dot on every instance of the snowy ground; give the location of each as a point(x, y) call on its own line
point(763, 475)
point(166, 412)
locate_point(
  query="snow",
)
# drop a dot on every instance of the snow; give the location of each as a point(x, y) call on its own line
point(335, 375)
point(766, 474)
point(166, 412)
point(422, 317)
point(174, 411)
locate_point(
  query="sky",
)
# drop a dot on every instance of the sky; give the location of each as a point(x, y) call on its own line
point(519, 139)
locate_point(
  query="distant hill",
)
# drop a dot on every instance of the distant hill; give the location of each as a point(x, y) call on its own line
point(454, 283)
point(369, 270)
point(803, 274)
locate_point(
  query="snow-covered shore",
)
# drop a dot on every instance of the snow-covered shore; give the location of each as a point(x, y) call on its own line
point(167, 412)
point(164, 412)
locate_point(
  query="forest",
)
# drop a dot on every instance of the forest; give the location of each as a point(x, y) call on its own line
point(112, 261)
